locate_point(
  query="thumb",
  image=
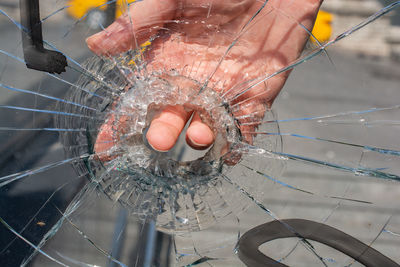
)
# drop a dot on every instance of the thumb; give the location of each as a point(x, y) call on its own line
point(133, 28)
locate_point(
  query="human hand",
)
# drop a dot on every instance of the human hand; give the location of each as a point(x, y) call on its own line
point(196, 36)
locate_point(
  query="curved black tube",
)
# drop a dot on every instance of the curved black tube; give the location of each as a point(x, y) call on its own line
point(36, 56)
point(250, 255)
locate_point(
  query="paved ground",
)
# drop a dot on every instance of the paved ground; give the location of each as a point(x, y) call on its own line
point(315, 88)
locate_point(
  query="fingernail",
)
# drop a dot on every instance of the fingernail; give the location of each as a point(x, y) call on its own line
point(196, 144)
point(158, 150)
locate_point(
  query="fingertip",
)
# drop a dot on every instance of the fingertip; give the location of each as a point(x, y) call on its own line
point(199, 135)
point(104, 142)
point(166, 127)
point(161, 136)
point(93, 42)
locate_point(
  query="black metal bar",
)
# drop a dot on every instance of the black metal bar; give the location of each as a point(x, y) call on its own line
point(36, 56)
point(118, 237)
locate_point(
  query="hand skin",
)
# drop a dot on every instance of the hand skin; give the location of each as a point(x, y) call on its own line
point(194, 48)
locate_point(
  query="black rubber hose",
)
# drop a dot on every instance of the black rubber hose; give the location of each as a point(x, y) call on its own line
point(250, 255)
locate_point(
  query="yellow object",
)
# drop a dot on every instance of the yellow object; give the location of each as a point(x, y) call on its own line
point(323, 27)
point(142, 49)
point(79, 8)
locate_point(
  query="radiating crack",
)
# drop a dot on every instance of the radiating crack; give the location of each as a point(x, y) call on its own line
point(197, 200)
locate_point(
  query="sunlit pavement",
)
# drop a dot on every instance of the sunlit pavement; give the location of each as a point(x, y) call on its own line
point(317, 87)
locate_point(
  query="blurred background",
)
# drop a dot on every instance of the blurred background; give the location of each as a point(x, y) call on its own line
point(362, 72)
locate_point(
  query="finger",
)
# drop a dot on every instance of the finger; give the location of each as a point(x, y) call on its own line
point(132, 28)
point(105, 139)
point(165, 129)
point(199, 135)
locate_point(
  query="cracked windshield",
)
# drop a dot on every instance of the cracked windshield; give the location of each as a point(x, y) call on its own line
point(199, 133)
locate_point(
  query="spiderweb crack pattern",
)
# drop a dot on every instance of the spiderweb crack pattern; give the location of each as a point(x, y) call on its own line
point(348, 181)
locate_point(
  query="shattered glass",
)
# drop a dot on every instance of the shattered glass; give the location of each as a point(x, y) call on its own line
point(332, 155)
